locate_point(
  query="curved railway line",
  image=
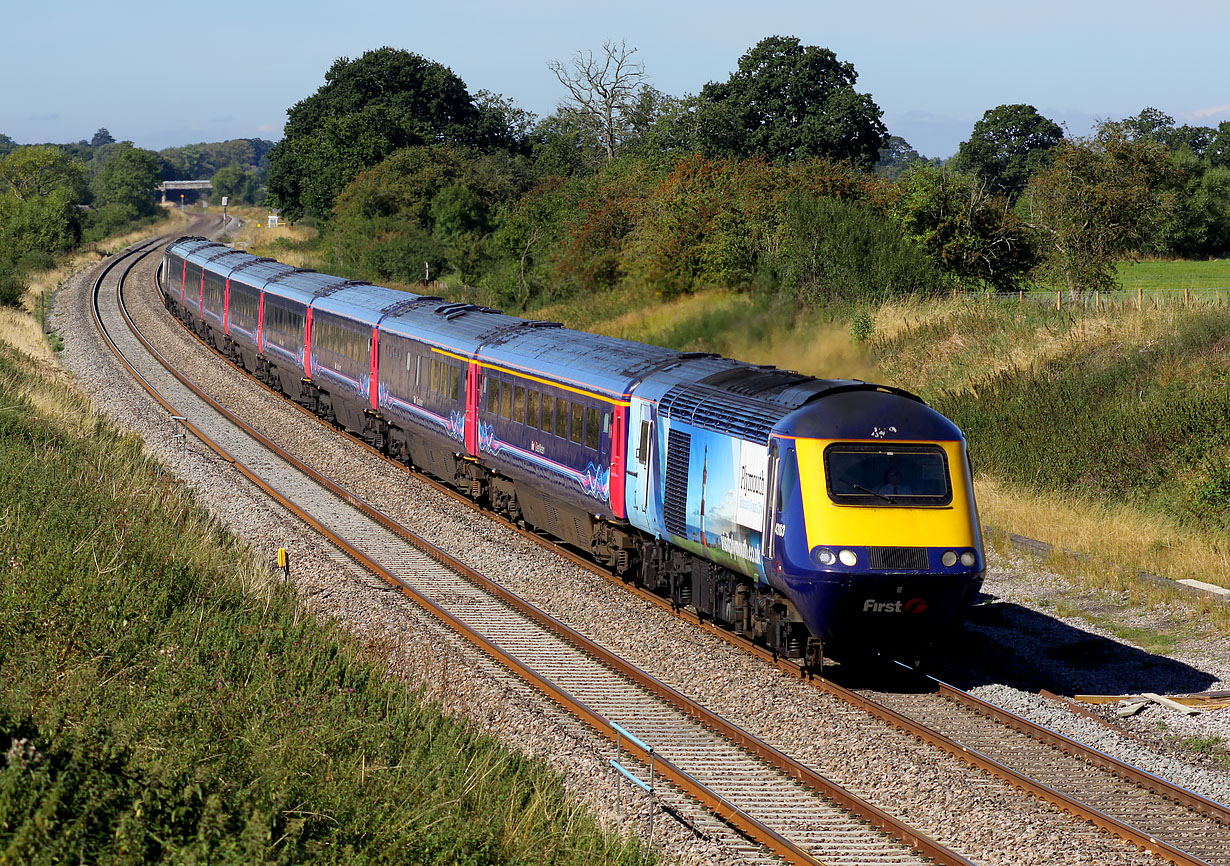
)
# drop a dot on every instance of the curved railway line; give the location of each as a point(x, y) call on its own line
point(789, 809)
point(793, 811)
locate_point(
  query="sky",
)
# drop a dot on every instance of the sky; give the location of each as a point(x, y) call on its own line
point(173, 73)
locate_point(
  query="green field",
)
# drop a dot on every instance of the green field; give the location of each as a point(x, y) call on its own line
point(1174, 275)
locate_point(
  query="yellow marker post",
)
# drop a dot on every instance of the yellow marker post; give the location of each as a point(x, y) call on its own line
point(284, 562)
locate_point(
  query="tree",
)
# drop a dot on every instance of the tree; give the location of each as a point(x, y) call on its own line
point(838, 249)
point(101, 137)
point(127, 180)
point(1007, 146)
point(368, 108)
point(603, 91)
point(791, 101)
point(36, 171)
point(40, 188)
point(968, 231)
point(500, 117)
point(237, 183)
point(1218, 151)
point(1100, 198)
point(895, 157)
point(565, 144)
point(1199, 225)
point(1150, 125)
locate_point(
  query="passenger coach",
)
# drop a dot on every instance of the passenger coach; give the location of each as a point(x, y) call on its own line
point(803, 513)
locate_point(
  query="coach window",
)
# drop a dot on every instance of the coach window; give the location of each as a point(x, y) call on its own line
point(519, 404)
point(531, 417)
point(548, 413)
point(506, 400)
point(578, 423)
point(593, 424)
point(561, 418)
point(456, 384)
point(493, 396)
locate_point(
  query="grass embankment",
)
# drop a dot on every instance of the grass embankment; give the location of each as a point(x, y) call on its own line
point(1103, 433)
point(165, 701)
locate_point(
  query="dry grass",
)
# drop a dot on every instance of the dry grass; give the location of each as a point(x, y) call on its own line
point(970, 339)
point(812, 346)
point(51, 392)
point(255, 236)
point(734, 324)
point(1132, 540)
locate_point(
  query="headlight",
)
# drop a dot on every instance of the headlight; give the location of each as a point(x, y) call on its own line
point(824, 556)
point(968, 558)
point(949, 558)
point(848, 557)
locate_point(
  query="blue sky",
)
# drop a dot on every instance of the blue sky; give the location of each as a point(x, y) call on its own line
point(167, 74)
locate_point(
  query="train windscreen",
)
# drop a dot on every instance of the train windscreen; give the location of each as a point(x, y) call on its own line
point(887, 475)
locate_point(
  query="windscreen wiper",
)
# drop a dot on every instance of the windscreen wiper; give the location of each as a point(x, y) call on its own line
point(868, 491)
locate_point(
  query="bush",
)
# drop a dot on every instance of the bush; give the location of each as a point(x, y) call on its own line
point(12, 286)
point(1149, 426)
point(835, 250)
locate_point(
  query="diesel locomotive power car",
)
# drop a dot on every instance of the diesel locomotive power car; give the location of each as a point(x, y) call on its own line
point(806, 514)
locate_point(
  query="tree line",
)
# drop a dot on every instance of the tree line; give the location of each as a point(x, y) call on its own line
point(54, 197)
point(779, 178)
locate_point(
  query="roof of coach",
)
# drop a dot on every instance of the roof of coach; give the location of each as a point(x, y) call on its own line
point(275, 278)
point(361, 302)
point(455, 327)
point(218, 258)
point(184, 246)
point(593, 362)
point(869, 412)
point(745, 400)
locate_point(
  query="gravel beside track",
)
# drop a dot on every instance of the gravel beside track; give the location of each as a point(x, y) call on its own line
point(974, 814)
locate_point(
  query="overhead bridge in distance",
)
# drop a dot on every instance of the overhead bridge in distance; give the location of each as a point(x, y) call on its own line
point(194, 185)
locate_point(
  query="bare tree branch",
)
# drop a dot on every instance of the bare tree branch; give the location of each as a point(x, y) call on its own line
point(603, 89)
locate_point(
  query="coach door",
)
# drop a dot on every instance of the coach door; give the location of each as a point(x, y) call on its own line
point(473, 383)
point(768, 533)
point(639, 483)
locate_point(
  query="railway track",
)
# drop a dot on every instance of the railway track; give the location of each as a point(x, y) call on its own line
point(1149, 811)
point(1090, 785)
point(776, 801)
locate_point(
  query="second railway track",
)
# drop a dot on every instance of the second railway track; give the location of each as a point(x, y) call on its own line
point(1092, 849)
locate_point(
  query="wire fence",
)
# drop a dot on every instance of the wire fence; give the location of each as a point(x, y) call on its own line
point(1118, 299)
point(1099, 301)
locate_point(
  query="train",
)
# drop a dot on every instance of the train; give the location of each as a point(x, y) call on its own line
point(812, 516)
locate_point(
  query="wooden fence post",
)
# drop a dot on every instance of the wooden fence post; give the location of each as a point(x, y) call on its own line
point(1059, 300)
point(1140, 299)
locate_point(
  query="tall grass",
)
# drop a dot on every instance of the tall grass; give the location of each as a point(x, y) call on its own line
point(165, 701)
